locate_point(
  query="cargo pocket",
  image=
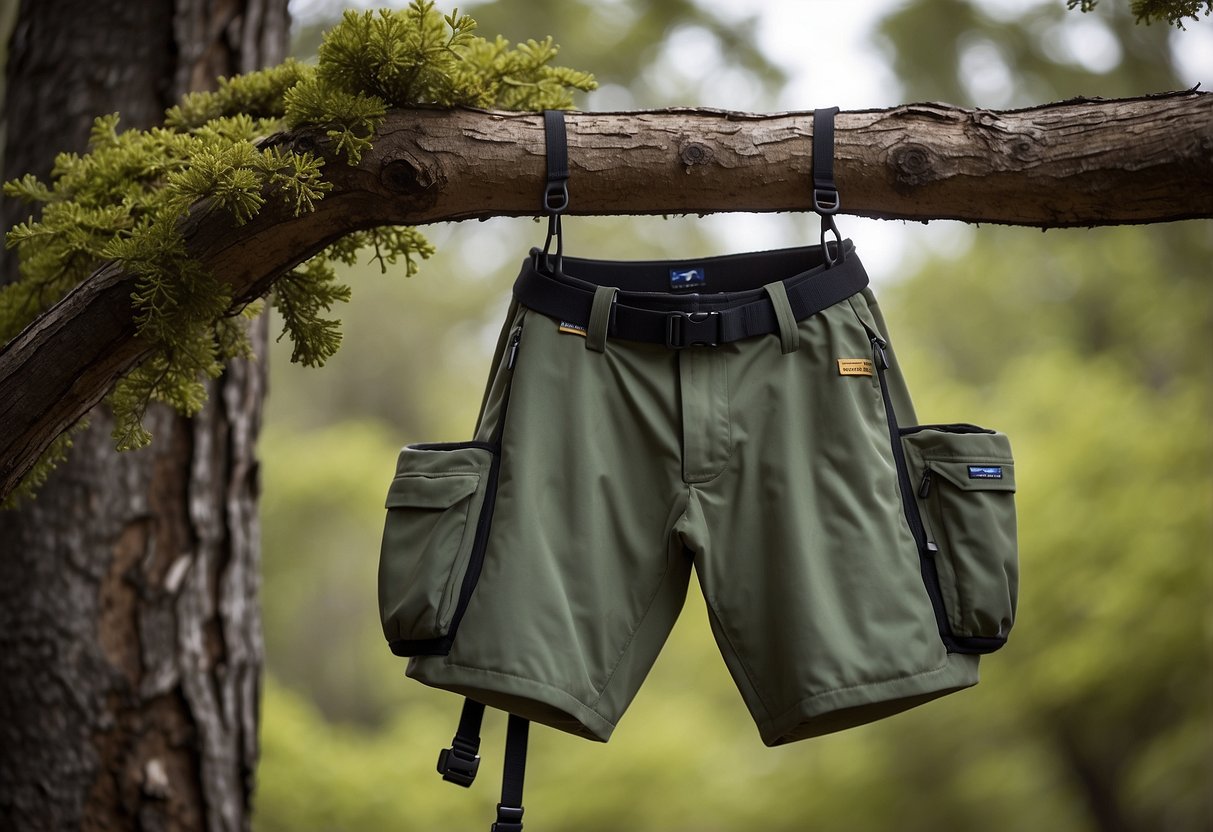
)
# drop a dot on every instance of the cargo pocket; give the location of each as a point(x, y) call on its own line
point(963, 481)
point(439, 506)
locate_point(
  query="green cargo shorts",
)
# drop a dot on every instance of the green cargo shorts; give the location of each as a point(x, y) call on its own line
point(539, 568)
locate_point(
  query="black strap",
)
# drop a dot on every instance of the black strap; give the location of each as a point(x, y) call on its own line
point(556, 191)
point(825, 192)
point(556, 186)
point(509, 810)
point(459, 763)
point(570, 303)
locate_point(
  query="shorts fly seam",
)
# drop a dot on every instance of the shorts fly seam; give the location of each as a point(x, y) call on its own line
point(709, 476)
point(749, 674)
point(860, 686)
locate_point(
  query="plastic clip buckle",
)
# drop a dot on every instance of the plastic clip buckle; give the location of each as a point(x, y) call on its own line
point(509, 819)
point(458, 765)
point(692, 329)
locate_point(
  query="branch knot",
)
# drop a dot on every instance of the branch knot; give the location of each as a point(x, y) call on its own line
point(913, 164)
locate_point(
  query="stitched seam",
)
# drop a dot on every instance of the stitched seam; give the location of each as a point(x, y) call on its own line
point(749, 674)
point(707, 476)
point(532, 681)
point(859, 686)
point(632, 636)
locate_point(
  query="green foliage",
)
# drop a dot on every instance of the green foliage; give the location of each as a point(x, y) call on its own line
point(1148, 11)
point(494, 75)
point(125, 198)
point(299, 298)
point(259, 94)
point(54, 454)
point(401, 57)
point(376, 60)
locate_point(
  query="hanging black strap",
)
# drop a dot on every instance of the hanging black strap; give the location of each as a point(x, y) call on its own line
point(556, 186)
point(825, 192)
point(509, 810)
point(459, 763)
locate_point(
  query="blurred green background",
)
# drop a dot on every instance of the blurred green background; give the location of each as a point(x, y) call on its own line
point(1092, 349)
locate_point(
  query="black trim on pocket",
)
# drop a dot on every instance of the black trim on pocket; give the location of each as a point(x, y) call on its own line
point(930, 576)
point(955, 427)
point(436, 497)
point(911, 495)
point(440, 643)
point(967, 501)
point(453, 446)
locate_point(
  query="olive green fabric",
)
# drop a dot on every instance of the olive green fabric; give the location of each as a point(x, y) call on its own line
point(432, 507)
point(770, 475)
point(966, 500)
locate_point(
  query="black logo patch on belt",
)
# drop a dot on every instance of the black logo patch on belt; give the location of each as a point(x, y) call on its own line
point(985, 472)
point(688, 277)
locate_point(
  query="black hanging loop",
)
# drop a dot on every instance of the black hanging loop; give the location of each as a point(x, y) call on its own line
point(556, 186)
point(828, 225)
point(825, 192)
point(555, 266)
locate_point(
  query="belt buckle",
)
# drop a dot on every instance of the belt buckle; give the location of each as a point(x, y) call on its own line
point(692, 329)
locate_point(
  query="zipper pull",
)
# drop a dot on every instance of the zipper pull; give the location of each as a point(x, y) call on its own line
point(924, 487)
point(515, 340)
point(878, 345)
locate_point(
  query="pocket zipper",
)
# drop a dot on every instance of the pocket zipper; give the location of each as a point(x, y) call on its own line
point(927, 548)
point(924, 488)
point(515, 340)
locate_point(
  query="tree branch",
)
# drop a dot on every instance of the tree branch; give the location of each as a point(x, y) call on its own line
point(1074, 163)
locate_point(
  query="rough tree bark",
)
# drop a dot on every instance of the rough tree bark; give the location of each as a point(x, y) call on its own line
point(1077, 163)
point(130, 646)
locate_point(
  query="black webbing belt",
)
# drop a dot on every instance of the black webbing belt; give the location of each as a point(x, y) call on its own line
point(631, 320)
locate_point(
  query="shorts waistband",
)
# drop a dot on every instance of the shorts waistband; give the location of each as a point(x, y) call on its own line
point(736, 307)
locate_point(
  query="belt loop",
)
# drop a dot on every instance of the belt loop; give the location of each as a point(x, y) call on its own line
point(600, 318)
point(789, 335)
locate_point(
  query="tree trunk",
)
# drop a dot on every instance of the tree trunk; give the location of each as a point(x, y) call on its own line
point(130, 644)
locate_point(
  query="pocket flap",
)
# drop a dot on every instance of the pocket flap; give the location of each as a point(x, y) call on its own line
point(421, 491)
point(979, 475)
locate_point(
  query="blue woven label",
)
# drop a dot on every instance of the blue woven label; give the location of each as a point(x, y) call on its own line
point(985, 472)
point(687, 278)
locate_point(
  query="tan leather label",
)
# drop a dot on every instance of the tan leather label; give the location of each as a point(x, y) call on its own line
point(854, 366)
point(572, 329)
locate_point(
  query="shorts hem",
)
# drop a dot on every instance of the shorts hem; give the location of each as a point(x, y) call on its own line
point(837, 710)
point(536, 701)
